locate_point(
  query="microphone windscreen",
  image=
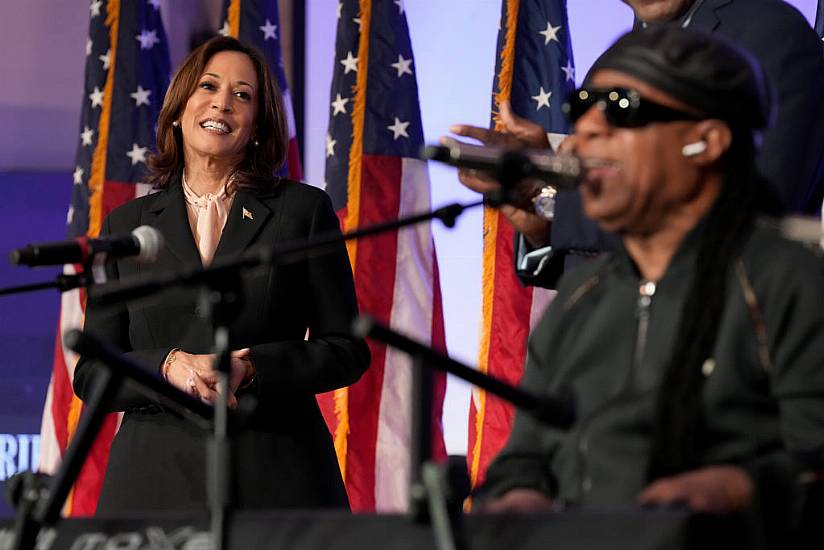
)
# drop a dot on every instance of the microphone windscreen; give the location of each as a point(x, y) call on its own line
point(150, 241)
point(438, 153)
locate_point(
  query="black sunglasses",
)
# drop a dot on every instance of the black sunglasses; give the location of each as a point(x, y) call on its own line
point(622, 107)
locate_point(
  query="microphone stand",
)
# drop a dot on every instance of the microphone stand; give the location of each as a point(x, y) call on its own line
point(554, 411)
point(429, 488)
point(42, 507)
point(222, 300)
point(62, 283)
point(114, 293)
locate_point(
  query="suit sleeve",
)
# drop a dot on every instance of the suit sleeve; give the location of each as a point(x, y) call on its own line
point(573, 239)
point(332, 358)
point(793, 147)
point(111, 326)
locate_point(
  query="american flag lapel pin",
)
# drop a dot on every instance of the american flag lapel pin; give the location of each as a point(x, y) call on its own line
point(247, 214)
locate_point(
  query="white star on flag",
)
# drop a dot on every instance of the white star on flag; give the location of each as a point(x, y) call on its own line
point(95, 7)
point(399, 128)
point(269, 31)
point(78, 176)
point(224, 30)
point(403, 65)
point(155, 4)
point(399, 3)
point(88, 46)
point(542, 98)
point(106, 58)
point(339, 105)
point(137, 154)
point(551, 33)
point(70, 215)
point(340, 9)
point(330, 146)
point(350, 63)
point(147, 39)
point(569, 71)
point(141, 96)
point(96, 97)
point(357, 22)
point(86, 136)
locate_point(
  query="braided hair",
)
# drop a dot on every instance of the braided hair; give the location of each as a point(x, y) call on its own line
point(678, 435)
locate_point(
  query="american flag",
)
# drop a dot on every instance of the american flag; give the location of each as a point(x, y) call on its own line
point(535, 72)
point(257, 24)
point(373, 174)
point(127, 72)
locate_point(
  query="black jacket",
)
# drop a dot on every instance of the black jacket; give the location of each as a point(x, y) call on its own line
point(286, 457)
point(763, 402)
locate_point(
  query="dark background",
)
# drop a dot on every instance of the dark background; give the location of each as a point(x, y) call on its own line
point(32, 209)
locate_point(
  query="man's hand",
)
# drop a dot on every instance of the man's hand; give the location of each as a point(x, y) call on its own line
point(517, 133)
point(517, 501)
point(714, 489)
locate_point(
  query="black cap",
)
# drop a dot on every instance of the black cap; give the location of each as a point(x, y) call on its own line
point(702, 71)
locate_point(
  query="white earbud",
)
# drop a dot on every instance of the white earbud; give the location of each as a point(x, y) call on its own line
point(692, 149)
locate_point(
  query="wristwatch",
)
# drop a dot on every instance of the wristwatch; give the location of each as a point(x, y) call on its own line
point(544, 202)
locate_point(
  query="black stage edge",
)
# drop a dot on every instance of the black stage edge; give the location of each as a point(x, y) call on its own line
point(270, 530)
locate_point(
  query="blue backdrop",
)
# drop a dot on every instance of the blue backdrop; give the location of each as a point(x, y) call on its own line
point(33, 209)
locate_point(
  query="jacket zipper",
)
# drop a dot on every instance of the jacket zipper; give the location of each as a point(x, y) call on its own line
point(646, 291)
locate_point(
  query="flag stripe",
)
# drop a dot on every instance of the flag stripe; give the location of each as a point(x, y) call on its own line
point(343, 400)
point(373, 176)
point(376, 261)
point(126, 55)
point(532, 49)
point(412, 314)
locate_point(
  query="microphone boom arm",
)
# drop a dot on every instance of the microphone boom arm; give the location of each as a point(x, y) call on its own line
point(557, 412)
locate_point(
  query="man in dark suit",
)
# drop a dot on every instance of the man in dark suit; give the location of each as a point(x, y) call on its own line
point(779, 37)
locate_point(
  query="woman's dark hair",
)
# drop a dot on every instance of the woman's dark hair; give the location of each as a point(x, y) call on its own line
point(256, 170)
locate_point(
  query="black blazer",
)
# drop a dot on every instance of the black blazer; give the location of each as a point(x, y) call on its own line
point(286, 457)
point(792, 154)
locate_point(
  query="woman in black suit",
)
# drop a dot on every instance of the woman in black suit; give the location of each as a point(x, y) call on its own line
point(221, 135)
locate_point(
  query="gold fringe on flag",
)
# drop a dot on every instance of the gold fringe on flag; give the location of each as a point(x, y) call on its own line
point(491, 220)
point(97, 178)
point(353, 207)
point(98, 171)
point(233, 18)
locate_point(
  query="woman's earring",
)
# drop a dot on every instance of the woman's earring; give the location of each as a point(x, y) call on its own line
point(176, 123)
point(256, 143)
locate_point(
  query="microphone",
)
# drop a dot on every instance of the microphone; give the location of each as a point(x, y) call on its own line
point(563, 171)
point(144, 242)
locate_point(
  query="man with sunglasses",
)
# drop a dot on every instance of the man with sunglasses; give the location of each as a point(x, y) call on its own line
point(792, 157)
point(695, 351)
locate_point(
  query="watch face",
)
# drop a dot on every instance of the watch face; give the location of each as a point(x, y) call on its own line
point(544, 203)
